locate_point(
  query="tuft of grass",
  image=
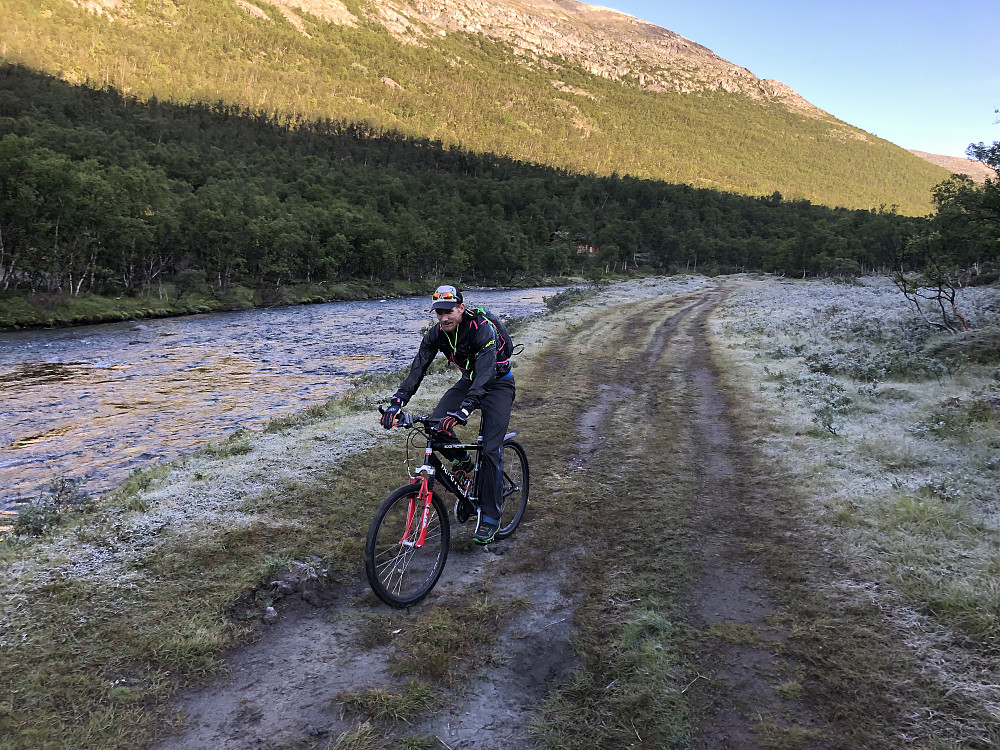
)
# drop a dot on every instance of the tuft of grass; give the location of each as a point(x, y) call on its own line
point(971, 607)
point(240, 443)
point(896, 454)
point(417, 742)
point(926, 514)
point(736, 633)
point(365, 737)
point(413, 699)
point(444, 644)
point(792, 690)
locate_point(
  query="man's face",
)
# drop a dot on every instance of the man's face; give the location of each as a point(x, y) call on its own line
point(449, 319)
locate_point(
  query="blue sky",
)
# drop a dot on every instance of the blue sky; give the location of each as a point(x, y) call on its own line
point(924, 75)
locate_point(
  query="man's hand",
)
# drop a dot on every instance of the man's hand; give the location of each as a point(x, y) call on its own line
point(459, 416)
point(395, 404)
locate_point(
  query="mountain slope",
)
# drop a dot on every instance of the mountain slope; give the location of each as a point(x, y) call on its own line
point(974, 170)
point(550, 81)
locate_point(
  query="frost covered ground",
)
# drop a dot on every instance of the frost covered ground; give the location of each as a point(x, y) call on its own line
point(891, 431)
point(888, 431)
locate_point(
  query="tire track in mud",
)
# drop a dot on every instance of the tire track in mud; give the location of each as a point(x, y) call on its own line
point(736, 693)
point(591, 423)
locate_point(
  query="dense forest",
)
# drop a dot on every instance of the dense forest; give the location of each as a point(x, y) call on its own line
point(101, 193)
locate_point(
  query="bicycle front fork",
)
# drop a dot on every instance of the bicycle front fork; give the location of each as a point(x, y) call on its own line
point(423, 502)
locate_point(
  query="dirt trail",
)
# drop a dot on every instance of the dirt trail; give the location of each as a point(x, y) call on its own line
point(740, 702)
point(280, 691)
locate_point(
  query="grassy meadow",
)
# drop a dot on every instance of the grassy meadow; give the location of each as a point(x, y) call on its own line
point(886, 433)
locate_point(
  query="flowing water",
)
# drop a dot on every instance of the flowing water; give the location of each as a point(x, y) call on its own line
point(97, 402)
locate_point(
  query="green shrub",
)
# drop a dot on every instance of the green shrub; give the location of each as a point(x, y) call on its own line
point(569, 297)
point(47, 510)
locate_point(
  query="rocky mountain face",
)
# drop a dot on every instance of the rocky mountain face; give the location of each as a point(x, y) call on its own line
point(975, 170)
point(606, 42)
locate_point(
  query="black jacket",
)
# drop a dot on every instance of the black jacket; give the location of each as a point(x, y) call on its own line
point(480, 347)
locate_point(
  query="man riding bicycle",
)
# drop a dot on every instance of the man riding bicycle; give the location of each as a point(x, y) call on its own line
point(476, 341)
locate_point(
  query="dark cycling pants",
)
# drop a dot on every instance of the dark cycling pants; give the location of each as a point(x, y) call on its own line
point(495, 406)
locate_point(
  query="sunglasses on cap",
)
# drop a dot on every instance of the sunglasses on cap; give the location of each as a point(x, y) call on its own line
point(445, 297)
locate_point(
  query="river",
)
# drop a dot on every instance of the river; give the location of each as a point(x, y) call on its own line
point(95, 403)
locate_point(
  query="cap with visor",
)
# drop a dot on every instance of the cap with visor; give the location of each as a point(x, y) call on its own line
point(446, 297)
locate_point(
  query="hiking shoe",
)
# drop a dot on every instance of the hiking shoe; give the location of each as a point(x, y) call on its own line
point(486, 532)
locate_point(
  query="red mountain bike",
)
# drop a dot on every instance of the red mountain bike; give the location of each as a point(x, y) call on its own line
point(409, 538)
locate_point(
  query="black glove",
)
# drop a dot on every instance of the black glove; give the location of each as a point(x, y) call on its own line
point(460, 416)
point(396, 403)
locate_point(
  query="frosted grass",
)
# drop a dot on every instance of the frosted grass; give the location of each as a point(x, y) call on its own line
point(894, 447)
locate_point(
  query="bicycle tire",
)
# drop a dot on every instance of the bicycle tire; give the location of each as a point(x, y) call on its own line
point(514, 486)
point(402, 575)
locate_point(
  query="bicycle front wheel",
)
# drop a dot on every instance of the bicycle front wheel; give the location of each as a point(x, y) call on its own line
point(399, 572)
point(513, 487)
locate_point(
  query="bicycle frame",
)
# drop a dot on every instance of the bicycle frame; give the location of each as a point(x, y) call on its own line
point(424, 476)
point(427, 473)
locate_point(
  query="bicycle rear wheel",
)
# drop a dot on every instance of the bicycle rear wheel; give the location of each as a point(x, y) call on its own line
point(399, 572)
point(513, 487)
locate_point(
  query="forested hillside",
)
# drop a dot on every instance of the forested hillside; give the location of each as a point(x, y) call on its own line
point(644, 117)
point(103, 193)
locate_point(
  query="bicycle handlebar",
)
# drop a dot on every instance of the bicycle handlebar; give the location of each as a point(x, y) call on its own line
point(406, 419)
